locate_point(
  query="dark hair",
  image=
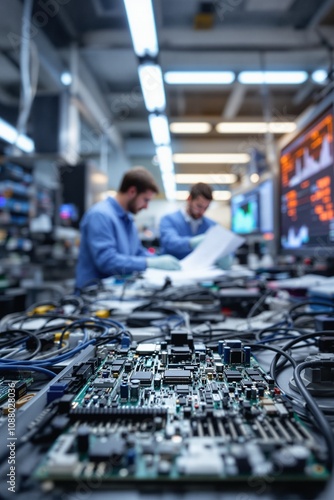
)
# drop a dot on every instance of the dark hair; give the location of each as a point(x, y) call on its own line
point(141, 179)
point(201, 189)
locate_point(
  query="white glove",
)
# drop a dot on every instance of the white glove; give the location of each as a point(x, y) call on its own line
point(167, 262)
point(196, 240)
point(224, 262)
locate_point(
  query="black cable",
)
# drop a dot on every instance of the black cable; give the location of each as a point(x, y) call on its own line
point(321, 420)
point(292, 342)
point(28, 334)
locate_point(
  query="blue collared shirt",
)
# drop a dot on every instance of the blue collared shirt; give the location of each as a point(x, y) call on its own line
point(176, 233)
point(109, 243)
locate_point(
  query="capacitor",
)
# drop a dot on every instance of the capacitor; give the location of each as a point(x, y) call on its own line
point(131, 457)
point(261, 391)
point(247, 355)
point(248, 393)
point(220, 347)
point(164, 357)
point(163, 346)
point(227, 355)
point(134, 389)
point(124, 390)
point(83, 438)
point(254, 392)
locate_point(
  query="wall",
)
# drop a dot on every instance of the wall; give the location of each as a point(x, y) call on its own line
point(150, 217)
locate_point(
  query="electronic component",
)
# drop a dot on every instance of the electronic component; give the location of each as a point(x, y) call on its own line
point(182, 412)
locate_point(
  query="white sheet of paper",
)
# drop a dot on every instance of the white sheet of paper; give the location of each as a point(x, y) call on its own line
point(218, 242)
point(198, 265)
point(179, 278)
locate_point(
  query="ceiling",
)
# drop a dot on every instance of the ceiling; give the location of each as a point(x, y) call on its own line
point(91, 38)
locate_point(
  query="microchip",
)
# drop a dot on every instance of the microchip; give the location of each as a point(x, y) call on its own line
point(233, 376)
point(175, 376)
point(251, 371)
point(104, 449)
point(145, 378)
point(103, 382)
point(182, 389)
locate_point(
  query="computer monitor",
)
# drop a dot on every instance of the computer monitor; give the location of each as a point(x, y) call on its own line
point(307, 189)
point(252, 212)
point(68, 214)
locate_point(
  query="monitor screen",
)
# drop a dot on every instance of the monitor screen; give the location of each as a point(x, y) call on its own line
point(253, 211)
point(69, 214)
point(306, 190)
point(245, 213)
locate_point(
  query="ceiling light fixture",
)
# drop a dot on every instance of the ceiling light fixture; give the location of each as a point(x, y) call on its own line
point(66, 78)
point(319, 76)
point(255, 127)
point(169, 185)
point(9, 134)
point(165, 160)
point(142, 27)
point(159, 129)
point(217, 195)
point(199, 77)
point(211, 158)
point(208, 178)
point(273, 77)
point(190, 127)
point(254, 178)
point(152, 86)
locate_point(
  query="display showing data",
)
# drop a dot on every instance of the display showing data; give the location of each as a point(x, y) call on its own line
point(245, 214)
point(307, 178)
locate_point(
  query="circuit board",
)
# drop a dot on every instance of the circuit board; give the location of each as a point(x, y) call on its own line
point(178, 411)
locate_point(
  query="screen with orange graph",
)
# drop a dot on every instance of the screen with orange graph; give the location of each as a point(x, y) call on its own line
point(307, 189)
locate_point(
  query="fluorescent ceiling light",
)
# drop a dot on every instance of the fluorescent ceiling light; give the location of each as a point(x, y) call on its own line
point(221, 195)
point(66, 78)
point(199, 77)
point(165, 159)
point(319, 76)
point(281, 127)
point(9, 134)
point(190, 127)
point(142, 27)
point(217, 195)
point(207, 178)
point(254, 178)
point(211, 158)
point(168, 180)
point(273, 77)
point(159, 129)
point(152, 86)
point(255, 127)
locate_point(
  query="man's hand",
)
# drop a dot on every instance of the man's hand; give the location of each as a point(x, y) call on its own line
point(167, 262)
point(196, 240)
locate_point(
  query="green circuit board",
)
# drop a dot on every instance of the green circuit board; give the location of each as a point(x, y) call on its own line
point(183, 414)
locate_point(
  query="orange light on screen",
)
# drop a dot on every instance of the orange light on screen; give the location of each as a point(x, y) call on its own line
point(324, 182)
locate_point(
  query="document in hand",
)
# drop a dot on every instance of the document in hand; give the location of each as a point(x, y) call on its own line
point(198, 265)
point(218, 242)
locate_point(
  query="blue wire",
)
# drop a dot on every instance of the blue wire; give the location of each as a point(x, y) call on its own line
point(30, 368)
point(56, 359)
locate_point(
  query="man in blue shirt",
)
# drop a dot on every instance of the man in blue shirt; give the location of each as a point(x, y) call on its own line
point(109, 239)
point(182, 231)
